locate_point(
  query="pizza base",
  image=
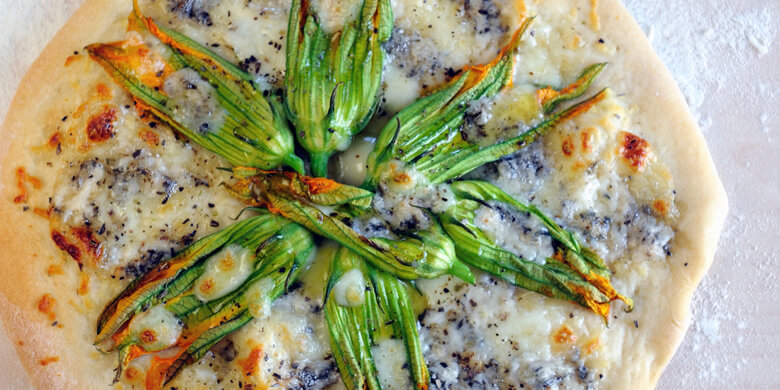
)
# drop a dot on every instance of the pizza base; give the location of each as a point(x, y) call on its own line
point(675, 136)
point(701, 198)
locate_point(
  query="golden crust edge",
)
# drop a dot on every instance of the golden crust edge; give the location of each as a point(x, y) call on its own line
point(700, 193)
point(18, 301)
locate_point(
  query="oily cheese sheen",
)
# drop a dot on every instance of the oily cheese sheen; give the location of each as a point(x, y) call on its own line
point(94, 194)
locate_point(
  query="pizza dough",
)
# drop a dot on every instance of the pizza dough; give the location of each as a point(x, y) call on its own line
point(53, 332)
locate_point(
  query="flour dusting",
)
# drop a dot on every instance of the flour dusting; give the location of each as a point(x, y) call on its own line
point(724, 36)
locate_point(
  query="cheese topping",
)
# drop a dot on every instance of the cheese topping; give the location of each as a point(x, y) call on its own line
point(518, 233)
point(258, 297)
point(403, 197)
point(350, 289)
point(143, 194)
point(156, 328)
point(224, 272)
point(193, 101)
point(140, 195)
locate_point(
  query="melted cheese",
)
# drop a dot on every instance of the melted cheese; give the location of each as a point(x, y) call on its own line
point(193, 101)
point(224, 272)
point(258, 297)
point(390, 360)
point(518, 233)
point(350, 289)
point(404, 196)
point(145, 193)
point(156, 328)
point(142, 193)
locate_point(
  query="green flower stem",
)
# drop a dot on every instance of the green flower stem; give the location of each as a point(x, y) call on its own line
point(421, 254)
point(576, 272)
point(332, 81)
point(319, 163)
point(550, 97)
point(352, 329)
point(393, 297)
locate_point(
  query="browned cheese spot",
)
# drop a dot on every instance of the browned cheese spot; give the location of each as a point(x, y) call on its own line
point(101, 126)
point(634, 149)
point(564, 335)
point(207, 286)
point(63, 244)
point(46, 306)
point(148, 336)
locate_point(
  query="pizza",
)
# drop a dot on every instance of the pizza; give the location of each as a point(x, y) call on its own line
point(364, 194)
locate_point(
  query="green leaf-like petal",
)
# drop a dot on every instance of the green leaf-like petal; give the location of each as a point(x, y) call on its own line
point(393, 297)
point(352, 329)
point(435, 120)
point(254, 129)
point(576, 273)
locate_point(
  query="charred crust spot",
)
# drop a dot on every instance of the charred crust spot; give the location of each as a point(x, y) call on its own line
point(634, 149)
point(54, 140)
point(92, 244)
point(54, 269)
point(21, 178)
point(101, 126)
point(83, 284)
point(66, 246)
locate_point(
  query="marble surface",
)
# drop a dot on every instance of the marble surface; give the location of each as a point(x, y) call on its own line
point(725, 56)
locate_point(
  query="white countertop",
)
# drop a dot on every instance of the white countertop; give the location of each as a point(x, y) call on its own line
point(726, 57)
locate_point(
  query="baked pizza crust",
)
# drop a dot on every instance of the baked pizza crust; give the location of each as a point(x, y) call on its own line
point(28, 251)
point(701, 199)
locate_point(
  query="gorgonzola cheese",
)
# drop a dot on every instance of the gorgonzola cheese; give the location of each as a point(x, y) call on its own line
point(142, 193)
